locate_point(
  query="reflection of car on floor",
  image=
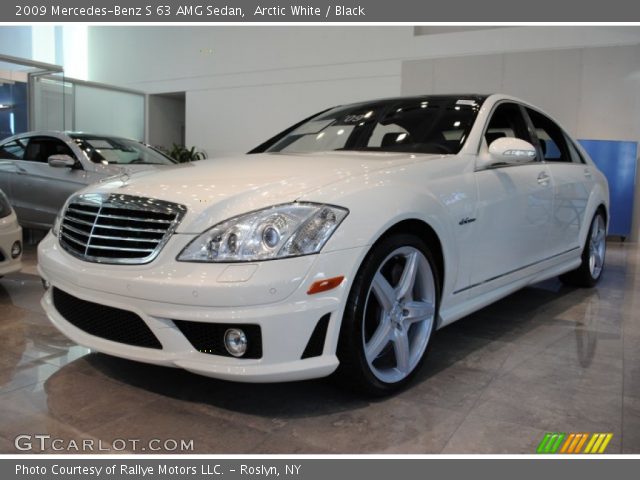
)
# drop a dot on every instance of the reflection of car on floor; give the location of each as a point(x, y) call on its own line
point(39, 170)
point(10, 239)
point(341, 243)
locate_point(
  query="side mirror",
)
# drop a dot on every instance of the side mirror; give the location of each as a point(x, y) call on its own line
point(508, 151)
point(61, 161)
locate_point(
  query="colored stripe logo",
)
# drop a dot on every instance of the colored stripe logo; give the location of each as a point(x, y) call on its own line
point(557, 442)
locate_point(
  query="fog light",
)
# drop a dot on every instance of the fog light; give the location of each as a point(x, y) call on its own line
point(235, 341)
point(16, 249)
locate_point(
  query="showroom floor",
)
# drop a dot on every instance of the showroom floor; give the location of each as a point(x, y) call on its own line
point(548, 358)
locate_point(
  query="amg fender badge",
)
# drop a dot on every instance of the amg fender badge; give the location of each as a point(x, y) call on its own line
point(466, 220)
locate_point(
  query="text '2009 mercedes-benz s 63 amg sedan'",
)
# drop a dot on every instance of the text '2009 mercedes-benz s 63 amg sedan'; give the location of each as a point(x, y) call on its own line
point(340, 244)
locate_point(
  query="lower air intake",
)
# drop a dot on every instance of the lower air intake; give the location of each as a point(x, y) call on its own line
point(105, 322)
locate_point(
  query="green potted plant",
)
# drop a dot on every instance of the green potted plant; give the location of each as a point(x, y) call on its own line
point(183, 154)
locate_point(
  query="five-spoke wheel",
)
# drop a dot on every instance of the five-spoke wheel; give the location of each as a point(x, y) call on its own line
point(390, 315)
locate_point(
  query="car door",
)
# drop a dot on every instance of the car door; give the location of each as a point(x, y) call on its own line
point(515, 205)
point(40, 190)
point(572, 183)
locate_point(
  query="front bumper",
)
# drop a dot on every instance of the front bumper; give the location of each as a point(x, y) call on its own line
point(270, 294)
point(10, 232)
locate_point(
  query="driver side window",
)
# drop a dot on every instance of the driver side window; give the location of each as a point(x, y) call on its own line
point(507, 121)
point(40, 149)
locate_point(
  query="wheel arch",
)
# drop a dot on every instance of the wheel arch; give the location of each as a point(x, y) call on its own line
point(424, 231)
point(602, 208)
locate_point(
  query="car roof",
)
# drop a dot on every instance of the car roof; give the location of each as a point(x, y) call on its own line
point(444, 98)
point(66, 136)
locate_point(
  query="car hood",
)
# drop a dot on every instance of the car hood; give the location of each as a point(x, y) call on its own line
point(129, 169)
point(217, 189)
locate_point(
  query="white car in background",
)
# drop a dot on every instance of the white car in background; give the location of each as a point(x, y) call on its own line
point(10, 239)
point(340, 244)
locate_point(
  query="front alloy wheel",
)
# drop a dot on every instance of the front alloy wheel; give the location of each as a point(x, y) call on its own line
point(390, 315)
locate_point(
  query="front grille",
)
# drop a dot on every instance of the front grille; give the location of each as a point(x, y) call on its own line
point(105, 322)
point(118, 228)
point(209, 337)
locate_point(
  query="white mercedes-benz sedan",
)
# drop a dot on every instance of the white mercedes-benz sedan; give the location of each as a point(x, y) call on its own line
point(340, 245)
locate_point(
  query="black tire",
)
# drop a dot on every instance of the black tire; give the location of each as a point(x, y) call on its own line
point(354, 371)
point(584, 276)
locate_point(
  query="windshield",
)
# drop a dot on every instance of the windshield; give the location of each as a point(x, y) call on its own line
point(437, 124)
point(119, 151)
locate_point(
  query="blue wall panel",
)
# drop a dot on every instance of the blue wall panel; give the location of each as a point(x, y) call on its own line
point(617, 160)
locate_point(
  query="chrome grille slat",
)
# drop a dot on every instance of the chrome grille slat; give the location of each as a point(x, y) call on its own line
point(131, 229)
point(76, 220)
point(134, 219)
point(81, 212)
point(122, 229)
point(69, 237)
point(75, 230)
point(127, 239)
point(121, 249)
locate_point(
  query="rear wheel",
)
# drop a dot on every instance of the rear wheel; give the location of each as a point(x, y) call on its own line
point(593, 255)
point(390, 316)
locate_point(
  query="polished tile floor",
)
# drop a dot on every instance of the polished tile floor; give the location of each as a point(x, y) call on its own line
point(548, 358)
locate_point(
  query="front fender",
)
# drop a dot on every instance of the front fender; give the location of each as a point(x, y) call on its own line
point(375, 207)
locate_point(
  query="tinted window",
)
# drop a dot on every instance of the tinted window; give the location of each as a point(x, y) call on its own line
point(12, 150)
point(507, 121)
point(40, 149)
point(422, 125)
point(551, 138)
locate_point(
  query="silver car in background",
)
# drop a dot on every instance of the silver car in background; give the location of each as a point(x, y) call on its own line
point(40, 170)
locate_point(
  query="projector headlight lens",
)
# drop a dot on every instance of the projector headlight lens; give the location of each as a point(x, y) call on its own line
point(282, 231)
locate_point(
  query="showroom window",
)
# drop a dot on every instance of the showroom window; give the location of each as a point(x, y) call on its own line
point(551, 138)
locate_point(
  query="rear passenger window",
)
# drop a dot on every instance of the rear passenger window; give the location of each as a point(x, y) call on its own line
point(12, 150)
point(551, 137)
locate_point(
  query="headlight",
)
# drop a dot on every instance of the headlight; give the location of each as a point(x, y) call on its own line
point(5, 206)
point(277, 232)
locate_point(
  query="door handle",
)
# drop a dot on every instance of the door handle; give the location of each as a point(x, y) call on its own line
point(587, 173)
point(543, 178)
point(20, 169)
